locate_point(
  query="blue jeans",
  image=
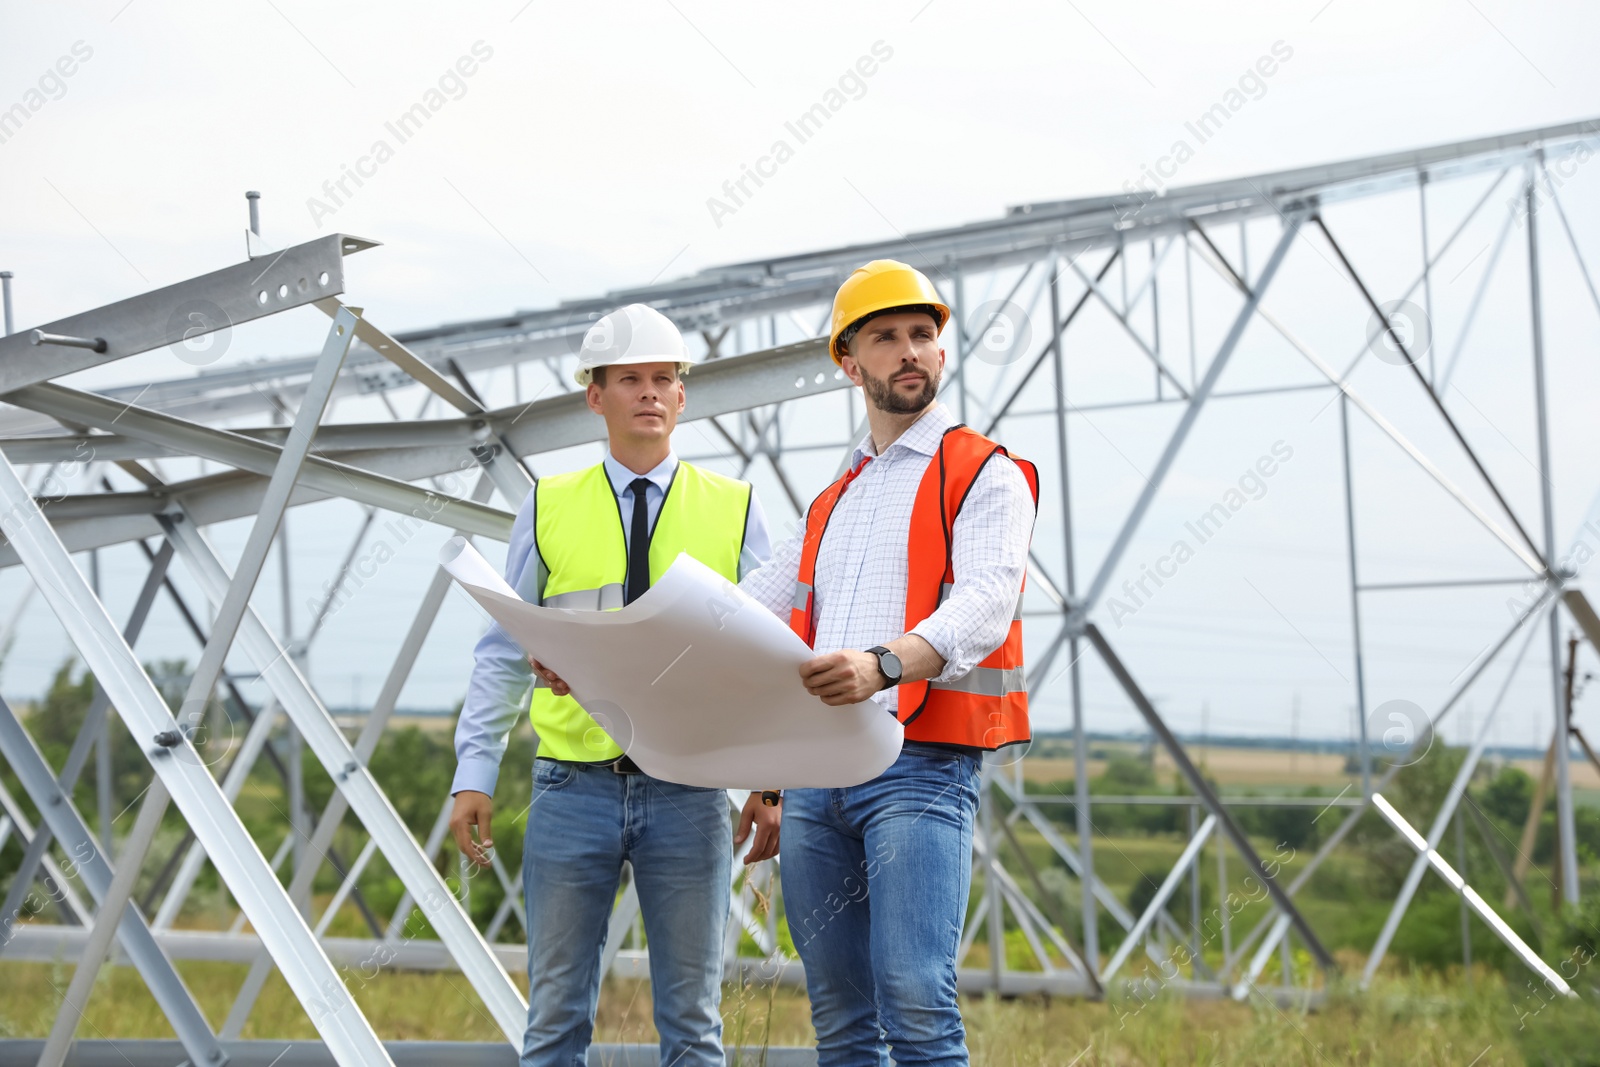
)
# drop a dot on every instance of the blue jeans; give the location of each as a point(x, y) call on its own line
point(875, 881)
point(584, 822)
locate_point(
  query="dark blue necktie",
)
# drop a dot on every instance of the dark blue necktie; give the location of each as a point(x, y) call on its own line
point(638, 544)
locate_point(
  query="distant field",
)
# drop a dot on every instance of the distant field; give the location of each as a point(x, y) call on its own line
point(428, 724)
point(1229, 766)
point(1244, 767)
point(1584, 775)
point(1256, 766)
point(1250, 767)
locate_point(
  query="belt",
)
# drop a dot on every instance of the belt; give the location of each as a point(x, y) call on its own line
point(621, 765)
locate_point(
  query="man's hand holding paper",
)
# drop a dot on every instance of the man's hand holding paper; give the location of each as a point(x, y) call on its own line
point(698, 683)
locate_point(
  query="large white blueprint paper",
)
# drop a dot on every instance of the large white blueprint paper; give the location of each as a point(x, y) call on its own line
point(696, 681)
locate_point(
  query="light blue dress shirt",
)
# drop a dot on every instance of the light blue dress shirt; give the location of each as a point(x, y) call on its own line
point(497, 695)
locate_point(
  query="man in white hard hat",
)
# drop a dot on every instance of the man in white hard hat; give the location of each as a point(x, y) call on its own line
point(595, 539)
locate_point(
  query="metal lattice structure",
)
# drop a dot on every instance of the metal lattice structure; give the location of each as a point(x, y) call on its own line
point(767, 399)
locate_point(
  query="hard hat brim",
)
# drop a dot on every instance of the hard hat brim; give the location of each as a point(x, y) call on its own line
point(836, 347)
point(585, 375)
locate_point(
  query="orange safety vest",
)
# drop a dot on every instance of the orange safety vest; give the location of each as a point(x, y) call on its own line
point(988, 707)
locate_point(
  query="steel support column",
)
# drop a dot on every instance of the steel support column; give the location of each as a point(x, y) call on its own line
point(1566, 839)
point(310, 975)
point(1364, 750)
point(366, 798)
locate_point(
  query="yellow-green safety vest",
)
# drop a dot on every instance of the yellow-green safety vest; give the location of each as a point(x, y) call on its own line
point(578, 533)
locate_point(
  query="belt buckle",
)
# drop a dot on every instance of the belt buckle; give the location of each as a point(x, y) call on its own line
point(624, 765)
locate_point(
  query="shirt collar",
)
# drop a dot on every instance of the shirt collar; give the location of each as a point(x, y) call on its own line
point(921, 436)
point(621, 477)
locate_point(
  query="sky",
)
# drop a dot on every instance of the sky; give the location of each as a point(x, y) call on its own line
point(575, 149)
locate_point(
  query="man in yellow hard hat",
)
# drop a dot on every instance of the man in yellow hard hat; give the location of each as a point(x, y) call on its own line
point(907, 583)
point(596, 539)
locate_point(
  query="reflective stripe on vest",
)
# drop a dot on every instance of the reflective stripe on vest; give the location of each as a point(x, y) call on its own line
point(986, 682)
point(578, 533)
point(988, 706)
point(606, 598)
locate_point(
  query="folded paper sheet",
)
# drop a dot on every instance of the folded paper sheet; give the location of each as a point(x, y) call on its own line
point(696, 681)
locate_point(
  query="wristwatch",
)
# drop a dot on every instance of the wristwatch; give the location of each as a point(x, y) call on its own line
point(772, 797)
point(888, 665)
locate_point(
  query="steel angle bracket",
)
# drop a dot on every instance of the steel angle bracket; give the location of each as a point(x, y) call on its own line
point(60, 813)
point(1470, 896)
point(261, 457)
point(316, 984)
point(402, 357)
point(482, 969)
point(299, 275)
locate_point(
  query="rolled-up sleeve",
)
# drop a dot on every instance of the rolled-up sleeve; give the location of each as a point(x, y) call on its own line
point(989, 548)
point(497, 694)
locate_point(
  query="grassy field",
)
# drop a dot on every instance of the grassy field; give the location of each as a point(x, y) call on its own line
point(1422, 1011)
point(1412, 1016)
point(1403, 1022)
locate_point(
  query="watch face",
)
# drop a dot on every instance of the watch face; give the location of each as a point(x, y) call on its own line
point(889, 664)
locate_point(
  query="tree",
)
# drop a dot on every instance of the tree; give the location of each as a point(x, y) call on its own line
point(1508, 796)
point(55, 723)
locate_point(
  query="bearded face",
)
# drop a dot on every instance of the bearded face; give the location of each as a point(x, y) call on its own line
point(907, 392)
point(897, 362)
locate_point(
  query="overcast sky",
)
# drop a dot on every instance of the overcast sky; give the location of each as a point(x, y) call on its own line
point(572, 149)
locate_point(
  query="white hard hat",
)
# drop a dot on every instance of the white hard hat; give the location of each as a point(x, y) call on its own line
point(631, 334)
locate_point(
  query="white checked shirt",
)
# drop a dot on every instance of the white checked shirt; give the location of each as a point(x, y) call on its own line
point(860, 587)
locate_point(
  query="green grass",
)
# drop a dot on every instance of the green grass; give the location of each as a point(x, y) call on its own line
point(1422, 1011)
point(1413, 1015)
point(1404, 1021)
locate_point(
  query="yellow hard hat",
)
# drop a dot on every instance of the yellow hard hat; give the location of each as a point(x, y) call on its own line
point(879, 286)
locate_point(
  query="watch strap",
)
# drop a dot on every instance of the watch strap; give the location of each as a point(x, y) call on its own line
point(881, 651)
